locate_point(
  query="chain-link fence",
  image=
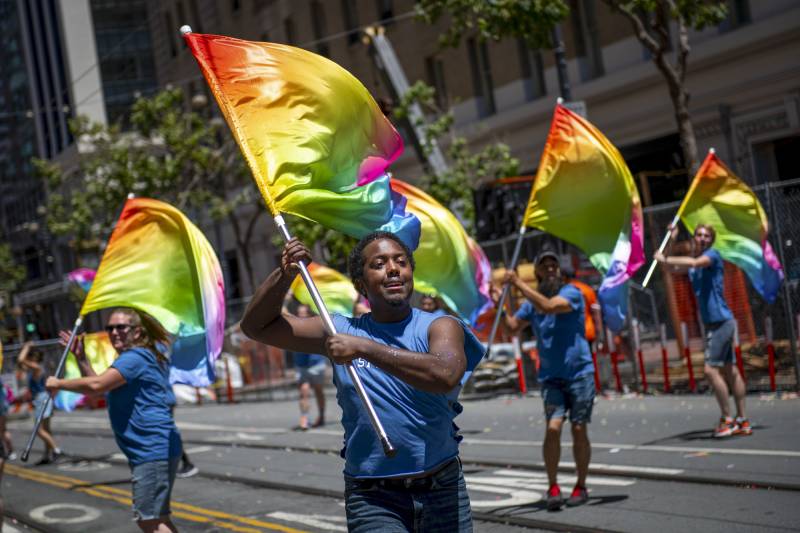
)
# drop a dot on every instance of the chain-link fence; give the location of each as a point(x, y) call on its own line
point(669, 302)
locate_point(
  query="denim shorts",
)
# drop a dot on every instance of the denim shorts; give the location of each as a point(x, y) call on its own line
point(719, 343)
point(437, 503)
point(38, 405)
point(315, 375)
point(575, 396)
point(152, 488)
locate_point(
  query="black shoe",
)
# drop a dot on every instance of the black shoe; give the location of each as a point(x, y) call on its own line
point(46, 460)
point(554, 498)
point(187, 470)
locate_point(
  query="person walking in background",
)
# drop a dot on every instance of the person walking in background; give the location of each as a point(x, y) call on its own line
point(310, 369)
point(32, 361)
point(138, 394)
point(706, 272)
point(555, 310)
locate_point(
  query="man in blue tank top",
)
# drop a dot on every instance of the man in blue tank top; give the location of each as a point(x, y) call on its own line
point(555, 311)
point(412, 365)
point(706, 272)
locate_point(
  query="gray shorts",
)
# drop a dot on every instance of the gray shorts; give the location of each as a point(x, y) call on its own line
point(719, 343)
point(152, 488)
point(38, 405)
point(315, 375)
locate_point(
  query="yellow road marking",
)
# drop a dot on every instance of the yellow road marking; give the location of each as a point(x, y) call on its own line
point(109, 493)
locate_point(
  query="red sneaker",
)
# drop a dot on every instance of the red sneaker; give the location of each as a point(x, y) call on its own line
point(725, 428)
point(742, 427)
point(579, 496)
point(554, 498)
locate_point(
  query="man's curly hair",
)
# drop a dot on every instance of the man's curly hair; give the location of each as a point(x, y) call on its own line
point(355, 263)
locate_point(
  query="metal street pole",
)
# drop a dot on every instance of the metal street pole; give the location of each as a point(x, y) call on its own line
point(564, 88)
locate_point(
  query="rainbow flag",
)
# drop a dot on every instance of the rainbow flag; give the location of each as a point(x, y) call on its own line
point(449, 263)
point(336, 289)
point(83, 277)
point(100, 354)
point(314, 138)
point(157, 261)
point(720, 199)
point(584, 194)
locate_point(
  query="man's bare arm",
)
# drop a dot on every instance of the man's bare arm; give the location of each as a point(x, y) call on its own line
point(437, 371)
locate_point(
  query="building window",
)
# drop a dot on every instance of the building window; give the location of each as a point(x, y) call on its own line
point(532, 70)
point(169, 27)
point(289, 31)
point(350, 16)
point(481, 77)
point(738, 15)
point(320, 26)
point(385, 10)
point(587, 41)
point(434, 71)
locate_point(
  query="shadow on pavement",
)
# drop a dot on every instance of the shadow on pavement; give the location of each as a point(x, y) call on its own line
point(542, 505)
point(700, 434)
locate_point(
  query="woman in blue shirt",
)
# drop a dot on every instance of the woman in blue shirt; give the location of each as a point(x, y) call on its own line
point(138, 391)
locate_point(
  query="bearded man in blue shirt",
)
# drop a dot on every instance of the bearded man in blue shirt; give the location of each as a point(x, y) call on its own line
point(707, 275)
point(555, 311)
point(412, 364)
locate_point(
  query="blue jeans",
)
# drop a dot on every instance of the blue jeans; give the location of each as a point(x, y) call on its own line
point(439, 503)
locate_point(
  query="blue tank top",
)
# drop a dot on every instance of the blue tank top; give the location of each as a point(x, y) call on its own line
point(36, 385)
point(419, 424)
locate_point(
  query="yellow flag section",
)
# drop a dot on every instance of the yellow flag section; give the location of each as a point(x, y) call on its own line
point(336, 289)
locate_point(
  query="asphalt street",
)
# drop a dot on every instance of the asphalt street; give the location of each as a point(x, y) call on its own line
point(654, 466)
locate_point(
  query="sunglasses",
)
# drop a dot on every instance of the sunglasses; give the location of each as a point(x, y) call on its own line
point(121, 328)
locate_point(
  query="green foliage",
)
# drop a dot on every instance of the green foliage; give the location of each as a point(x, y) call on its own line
point(169, 153)
point(531, 20)
point(11, 274)
point(466, 169)
point(333, 246)
point(696, 14)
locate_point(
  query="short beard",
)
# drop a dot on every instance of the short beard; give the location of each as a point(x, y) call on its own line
point(549, 287)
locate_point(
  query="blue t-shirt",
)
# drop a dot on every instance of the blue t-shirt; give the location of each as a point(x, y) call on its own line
point(140, 410)
point(560, 338)
point(708, 284)
point(419, 424)
point(307, 360)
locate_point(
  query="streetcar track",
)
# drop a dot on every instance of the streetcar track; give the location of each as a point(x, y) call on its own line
point(650, 476)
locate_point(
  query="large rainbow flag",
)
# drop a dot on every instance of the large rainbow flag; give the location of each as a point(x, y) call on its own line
point(585, 194)
point(449, 263)
point(314, 138)
point(157, 261)
point(336, 289)
point(717, 197)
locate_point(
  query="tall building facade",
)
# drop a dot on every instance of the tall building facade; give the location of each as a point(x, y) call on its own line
point(61, 59)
